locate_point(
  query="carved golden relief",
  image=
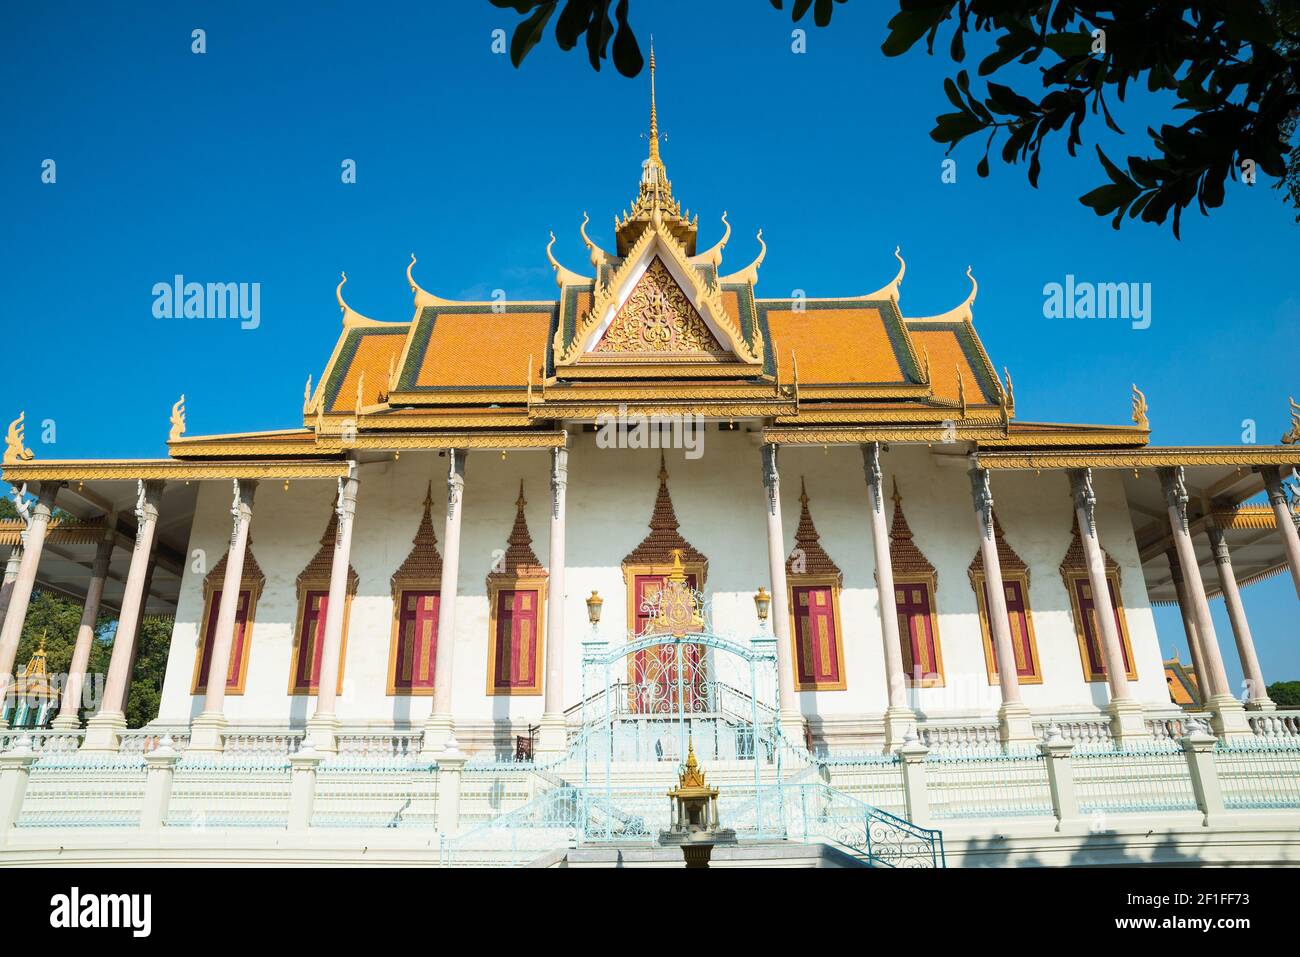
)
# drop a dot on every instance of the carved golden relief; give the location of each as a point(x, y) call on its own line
point(658, 318)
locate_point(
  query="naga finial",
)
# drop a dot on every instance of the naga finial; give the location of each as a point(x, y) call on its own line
point(1140, 409)
point(306, 396)
point(1292, 437)
point(178, 420)
point(15, 450)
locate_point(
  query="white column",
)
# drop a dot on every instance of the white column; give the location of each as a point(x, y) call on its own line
point(1285, 523)
point(70, 701)
point(1229, 716)
point(1257, 698)
point(21, 595)
point(1015, 724)
point(324, 724)
point(791, 717)
point(12, 564)
point(1189, 621)
point(206, 731)
point(554, 736)
point(898, 716)
point(1126, 714)
point(103, 730)
point(438, 729)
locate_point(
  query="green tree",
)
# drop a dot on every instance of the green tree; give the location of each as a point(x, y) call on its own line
point(1286, 694)
point(1232, 67)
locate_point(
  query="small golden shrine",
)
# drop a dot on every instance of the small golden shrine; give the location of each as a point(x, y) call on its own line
point(695, 812)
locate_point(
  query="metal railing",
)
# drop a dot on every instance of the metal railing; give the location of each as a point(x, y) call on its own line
point(1259, 773)
point(987, 782)
point(1133, 779)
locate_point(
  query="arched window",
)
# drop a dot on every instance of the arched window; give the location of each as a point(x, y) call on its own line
point(814, 581)
point(516, 614)
point(1083, 604)
point(1015, 590)
point(313, 606)
point(250, 590)
point(412, 650)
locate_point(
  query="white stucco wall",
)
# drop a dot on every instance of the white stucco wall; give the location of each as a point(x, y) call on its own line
point(719, 501)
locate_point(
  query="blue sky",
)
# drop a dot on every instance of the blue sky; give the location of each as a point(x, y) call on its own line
point(226, 167)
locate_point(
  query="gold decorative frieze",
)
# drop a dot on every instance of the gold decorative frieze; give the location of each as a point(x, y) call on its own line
point(960, 432)
point(130, 470)
point(1142, 458)
point(446, 440)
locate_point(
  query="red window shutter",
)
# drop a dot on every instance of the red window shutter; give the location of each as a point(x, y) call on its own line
point(516, 638)
point(417, 640)
point(237, 645)
point(815, 638)
point(920, 651)
point(311, 635)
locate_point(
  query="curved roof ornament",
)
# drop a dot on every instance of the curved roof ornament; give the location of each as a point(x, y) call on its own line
point(961, 313)
point(350, 316)
point(890, 289)
point(713, 256)
point(423, 297)
point(598, 255)
point(563, 276)
point(750, 273)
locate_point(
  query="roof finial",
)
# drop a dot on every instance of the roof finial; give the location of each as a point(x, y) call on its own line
point(654, 116)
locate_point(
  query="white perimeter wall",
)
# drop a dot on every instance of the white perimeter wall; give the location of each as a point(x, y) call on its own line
point(719, 501)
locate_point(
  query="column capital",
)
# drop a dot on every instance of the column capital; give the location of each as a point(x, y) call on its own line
point(1174, 483)
point(345, 505)
point(241, 504)
point(871, 467)
point(982, 496)
point(559, 477)
point(148, 495)
point(1085, 498)
point(771, 477)
point(456, 460)
point(1218, 544)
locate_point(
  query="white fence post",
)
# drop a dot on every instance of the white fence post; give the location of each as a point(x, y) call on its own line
point(160, 769)
point(302, 785)
point(15, 769)
point(915, 798)
point(451, 765)
point(1198, 745)
point(1056, 752)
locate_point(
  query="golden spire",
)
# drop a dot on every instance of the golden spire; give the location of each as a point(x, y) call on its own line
point(654, 115)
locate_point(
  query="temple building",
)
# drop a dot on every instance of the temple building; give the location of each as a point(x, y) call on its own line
point(478, 490)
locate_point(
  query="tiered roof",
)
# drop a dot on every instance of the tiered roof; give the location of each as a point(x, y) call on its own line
point(658, 327)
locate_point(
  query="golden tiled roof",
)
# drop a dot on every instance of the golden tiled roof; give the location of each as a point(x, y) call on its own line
point(482, 348)
point(841, 345)
point(369, 356)
point(948, 360)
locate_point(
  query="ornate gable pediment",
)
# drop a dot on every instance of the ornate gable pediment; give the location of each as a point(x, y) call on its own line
point(658, 317)
point(655, 305)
